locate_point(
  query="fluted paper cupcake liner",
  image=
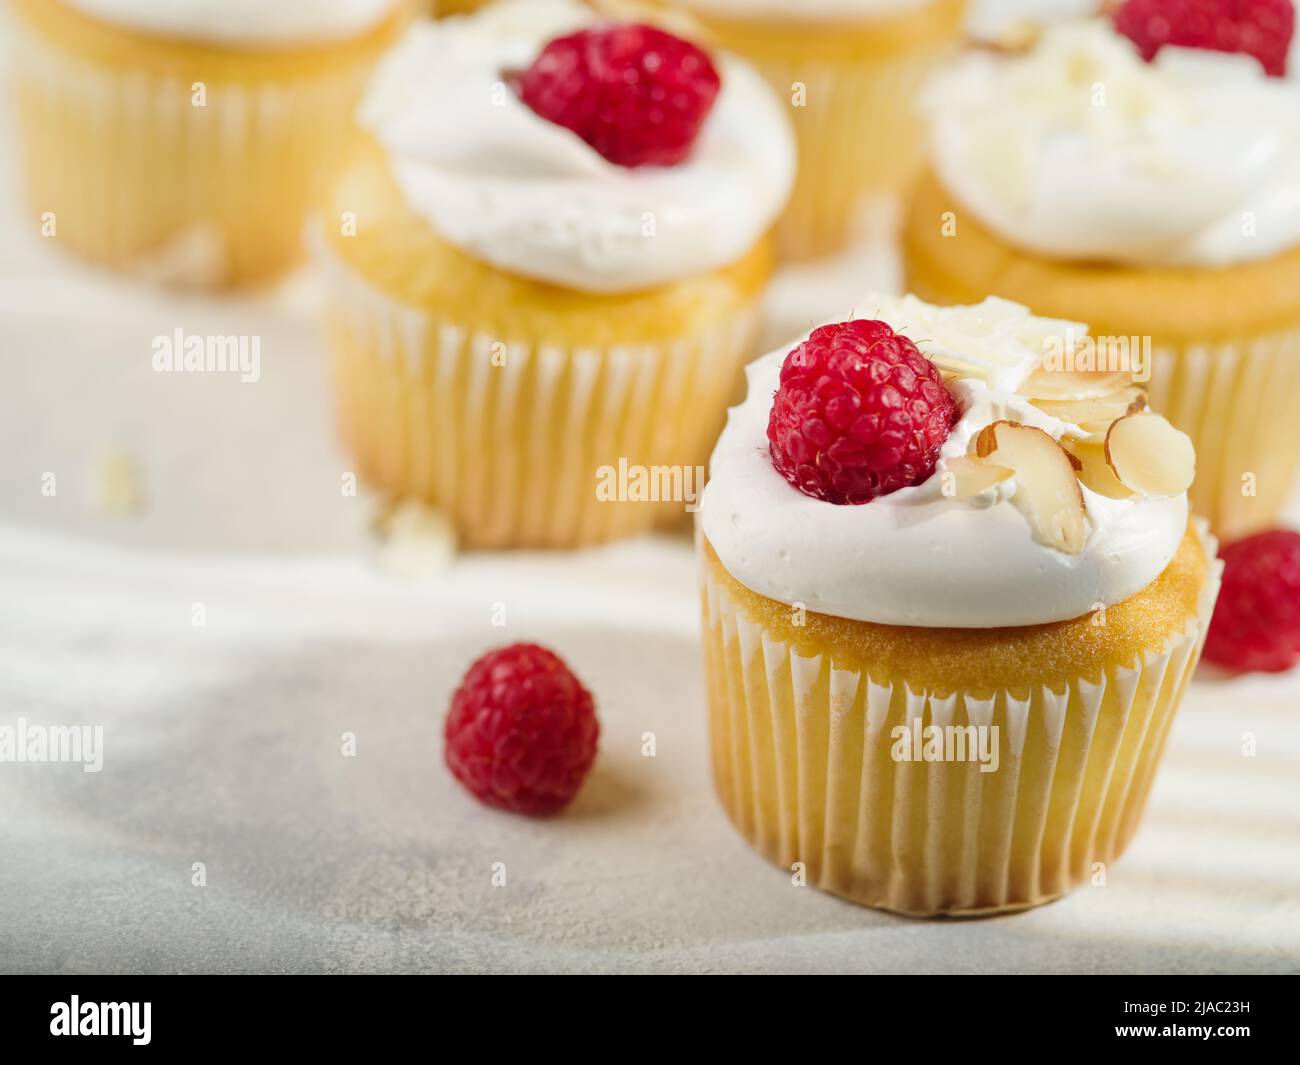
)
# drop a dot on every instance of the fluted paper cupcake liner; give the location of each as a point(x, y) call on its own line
point(1239, 401)
point(802, 765)
point(508, 434)
point(137, 176)
point(859, 140)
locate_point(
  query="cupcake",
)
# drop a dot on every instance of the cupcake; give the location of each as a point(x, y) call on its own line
point(184, 139)
point(1152, 190)
point(848, 71)
point(543, 281)
point(952, 596)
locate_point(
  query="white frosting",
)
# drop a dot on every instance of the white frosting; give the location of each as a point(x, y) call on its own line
point(805, 10)
point(916, 557)
point(241, 21)
point(1082, 150)
point(532, 197)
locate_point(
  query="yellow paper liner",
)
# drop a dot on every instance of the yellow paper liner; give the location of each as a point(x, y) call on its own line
point(1239, 401)
point(859, 143)
point(506, 436)
point(802, 765)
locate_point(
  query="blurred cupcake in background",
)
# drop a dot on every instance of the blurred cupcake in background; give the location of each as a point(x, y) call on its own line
point(546, 262)
point(1132, 174)
point(848, 71)
point(1006, 23)
point(185, 139)
point(944, 645)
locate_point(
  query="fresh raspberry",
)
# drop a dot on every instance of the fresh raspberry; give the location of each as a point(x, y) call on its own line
point(860, 413)
point(1256, 625)
point(521, 733)
point(1262, 28)
point(636, 94)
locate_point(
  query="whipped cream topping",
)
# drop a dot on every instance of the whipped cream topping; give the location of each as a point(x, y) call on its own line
point(1082, 150)
point(242, 21)
point(915, 556)
point(805, 10)
point(533, 198)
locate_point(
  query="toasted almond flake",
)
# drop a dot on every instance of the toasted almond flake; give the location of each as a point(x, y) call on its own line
point(1047, 491)
point(1073, 385)
point(1094, 471)
point(952, 368)
point(965, 476)
point(1095, 415)
point(1016, 37)
point(1150, 456)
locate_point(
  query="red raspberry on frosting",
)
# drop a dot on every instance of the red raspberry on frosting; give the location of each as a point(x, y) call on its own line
point(859, 413)
point(1256, 624)
point(522, 730)
point(636, 94)
point(1262, 28)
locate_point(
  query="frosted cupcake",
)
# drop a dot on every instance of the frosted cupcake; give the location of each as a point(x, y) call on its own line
point(184, 139)
point(951, 599)
point(521, 304)
point(849, 71)
point(1158, 200)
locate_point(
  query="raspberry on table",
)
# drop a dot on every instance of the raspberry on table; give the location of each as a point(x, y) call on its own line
point(1262, 28)
point(521, 733)
point(859, 413)
point(1256, 624)
point(637, 95)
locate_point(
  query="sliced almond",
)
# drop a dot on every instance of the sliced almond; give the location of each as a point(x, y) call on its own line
point(1095, 415)
point(952, 368)
point(1015, 38)
point(1093, 469)
point(1150, 456)
point(1047, 491)
point(1073, 385)
point(966, 476)
point(986, 443)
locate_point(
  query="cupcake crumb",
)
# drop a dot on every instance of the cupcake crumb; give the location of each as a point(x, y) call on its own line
point(115, 482)
point(417, 541)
